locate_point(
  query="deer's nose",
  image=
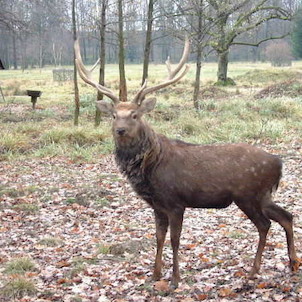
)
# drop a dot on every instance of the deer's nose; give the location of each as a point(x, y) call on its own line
point(120, 131)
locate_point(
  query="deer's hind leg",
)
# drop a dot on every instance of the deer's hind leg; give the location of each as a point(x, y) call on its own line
point(262, 223)
point(285, 219)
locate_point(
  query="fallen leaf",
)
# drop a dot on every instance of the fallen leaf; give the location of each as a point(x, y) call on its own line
point(239, 274)
point(63, 280)
point(201, 297)
point(63, 263)
point(190, 246)
point(226, 292)
point(162, 286)
point(263, 285)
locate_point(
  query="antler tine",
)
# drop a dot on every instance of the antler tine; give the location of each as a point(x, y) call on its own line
point(166, 83)
point(137, 97)
point(183, 59)
point(86, 74)
point(95, 64)
point(172, 78)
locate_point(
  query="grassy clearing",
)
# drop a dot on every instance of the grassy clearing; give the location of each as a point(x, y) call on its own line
point(227, 115)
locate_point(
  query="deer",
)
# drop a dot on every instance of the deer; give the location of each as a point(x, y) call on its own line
point(172, 175)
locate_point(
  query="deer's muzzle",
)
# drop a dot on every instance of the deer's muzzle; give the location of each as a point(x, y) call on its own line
point(120, 131)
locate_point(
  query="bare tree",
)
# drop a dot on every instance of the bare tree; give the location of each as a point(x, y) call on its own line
point(220, 24)
point(9, 18)
point(234, 18)
point(148, 40)
point(199, 27)
point(76, 88)
point(103, 4)
point(121, 55)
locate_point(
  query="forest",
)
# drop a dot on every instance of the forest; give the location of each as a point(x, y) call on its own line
point(73, 228)
point(39, 33)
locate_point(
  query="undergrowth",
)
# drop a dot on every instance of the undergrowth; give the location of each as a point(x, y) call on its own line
point(230, 116)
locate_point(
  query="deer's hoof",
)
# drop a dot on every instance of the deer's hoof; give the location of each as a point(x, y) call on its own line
point(294, 264)
point(156, 276)
point(174, 283)
point(253, 274)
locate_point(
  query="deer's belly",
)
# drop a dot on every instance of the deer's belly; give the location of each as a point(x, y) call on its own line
point(199, 199)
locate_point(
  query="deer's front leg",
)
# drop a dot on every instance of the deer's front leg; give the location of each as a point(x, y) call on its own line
point(175, 221)
point(162, 223)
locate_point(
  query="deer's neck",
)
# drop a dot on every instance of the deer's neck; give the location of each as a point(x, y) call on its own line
point(140, 152)
point(138, 159)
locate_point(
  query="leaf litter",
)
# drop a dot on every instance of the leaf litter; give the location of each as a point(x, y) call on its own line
point(92, 239)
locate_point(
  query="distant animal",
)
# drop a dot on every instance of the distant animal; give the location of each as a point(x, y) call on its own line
point(171, 175)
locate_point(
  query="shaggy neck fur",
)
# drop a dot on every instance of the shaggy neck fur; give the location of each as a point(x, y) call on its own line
point(138, 159)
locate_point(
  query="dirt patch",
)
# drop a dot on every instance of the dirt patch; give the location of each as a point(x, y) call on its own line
point(290, 88)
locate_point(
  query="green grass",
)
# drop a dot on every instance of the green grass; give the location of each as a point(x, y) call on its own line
point(17, 288)
point(234, 120)
point(103, 249)
point(78, 265)
point(19, 266)
point(51, 241)
point(102, 202)
point(232, 116)
point(26, 208)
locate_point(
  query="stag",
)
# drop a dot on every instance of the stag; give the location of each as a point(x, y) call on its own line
point(171, 175)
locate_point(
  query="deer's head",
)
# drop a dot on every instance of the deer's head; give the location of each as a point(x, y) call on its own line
point(127, 116)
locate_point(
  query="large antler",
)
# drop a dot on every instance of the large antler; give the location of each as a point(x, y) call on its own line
point(86, 74)
point(172, 78)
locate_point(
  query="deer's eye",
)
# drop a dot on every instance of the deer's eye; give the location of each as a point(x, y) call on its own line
point(134, 116)
point(114, 116)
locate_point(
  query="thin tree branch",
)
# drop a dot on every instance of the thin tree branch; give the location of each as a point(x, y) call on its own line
point(263, 40)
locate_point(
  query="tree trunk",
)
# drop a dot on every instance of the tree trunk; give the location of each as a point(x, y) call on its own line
point(100, 96)
point(121, 55)
point(54, 54)
point(24, 63)
point(40, 49)
point(196, 102)
point(14, 51)
point(223, 60)
point(76, 88)
point(84, 49)
point(148, 41)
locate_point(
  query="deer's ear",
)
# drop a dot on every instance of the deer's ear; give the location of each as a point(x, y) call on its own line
point(147, 105)
point(104, 107)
